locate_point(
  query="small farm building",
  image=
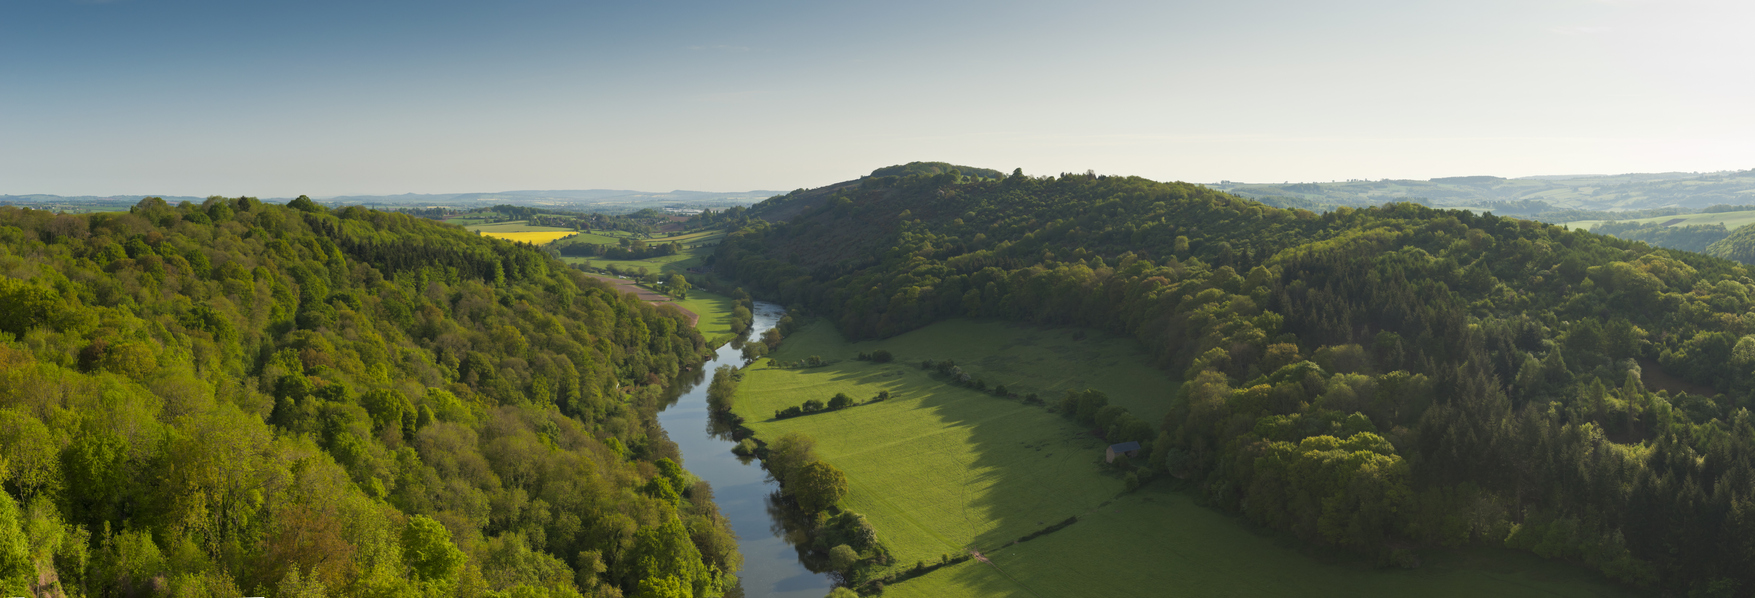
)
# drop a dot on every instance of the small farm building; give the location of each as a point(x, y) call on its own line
point(1130, 449)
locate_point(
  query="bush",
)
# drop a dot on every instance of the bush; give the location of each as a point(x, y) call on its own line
point(813, 406)
point(882, 395)
point(881, 356)
point(788, 412)
point(840, 401)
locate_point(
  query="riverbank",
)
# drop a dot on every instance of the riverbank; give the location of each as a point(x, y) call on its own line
point(741, 488)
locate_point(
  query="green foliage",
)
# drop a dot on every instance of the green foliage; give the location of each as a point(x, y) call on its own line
point(216, 399)
point(1474, 345)
point(818, 486)
point(428, 551)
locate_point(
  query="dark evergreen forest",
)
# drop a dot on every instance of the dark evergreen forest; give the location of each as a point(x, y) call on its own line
point(234, 399)
point(1379, 379)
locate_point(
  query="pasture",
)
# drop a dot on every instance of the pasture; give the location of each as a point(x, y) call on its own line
point(1731, 220)
point(940, 469)
point(678, 263)
point(715, 313)
point(1025, 358)
point(937, 467)
point(1158, 542)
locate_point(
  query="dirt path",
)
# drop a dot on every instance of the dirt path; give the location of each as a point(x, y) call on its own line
point(648, 295)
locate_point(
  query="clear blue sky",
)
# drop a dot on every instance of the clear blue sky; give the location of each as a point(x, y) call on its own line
point(278, 98)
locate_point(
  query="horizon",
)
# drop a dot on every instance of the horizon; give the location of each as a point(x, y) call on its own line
point(332, 99)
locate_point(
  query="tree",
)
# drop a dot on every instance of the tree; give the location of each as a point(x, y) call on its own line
point(428, 551)
point(789, 453)
point(677, 286)
point(843, 558)
point(819, 486)
point(840, 400)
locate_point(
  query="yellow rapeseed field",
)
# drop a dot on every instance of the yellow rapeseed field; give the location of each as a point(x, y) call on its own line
point(539, 238)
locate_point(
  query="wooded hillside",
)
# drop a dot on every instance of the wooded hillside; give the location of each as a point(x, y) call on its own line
point(1376, 379)
point(235, 399)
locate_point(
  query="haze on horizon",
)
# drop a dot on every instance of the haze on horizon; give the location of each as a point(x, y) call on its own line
point(197, 97)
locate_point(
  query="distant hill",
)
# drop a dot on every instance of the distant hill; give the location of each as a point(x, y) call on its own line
point(932, 168)
point(1528, 196)
point(589, 200)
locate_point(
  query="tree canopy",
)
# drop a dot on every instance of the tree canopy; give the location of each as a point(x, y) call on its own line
point(1361, 377)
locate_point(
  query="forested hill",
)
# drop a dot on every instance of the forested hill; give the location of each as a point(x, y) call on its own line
point(1376, 378)
point(232, 398)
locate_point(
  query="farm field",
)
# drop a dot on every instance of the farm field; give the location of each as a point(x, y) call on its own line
point(1157, 542)
point(939, 468)
point(715, 313)
point(936, 468)
point(1025, 358)
point(521, 232)
point(1731, 220)
point(689, 257)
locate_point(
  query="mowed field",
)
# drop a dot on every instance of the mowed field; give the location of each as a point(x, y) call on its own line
point(715, 312)
point(689, 257)
point(1157, 542)
point(1731, 220)
point(939, 469)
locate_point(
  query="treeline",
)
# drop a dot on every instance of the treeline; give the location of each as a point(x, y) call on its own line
point(233, 398)
point(1694, 238)
point(1368, 378)
point(628, 249)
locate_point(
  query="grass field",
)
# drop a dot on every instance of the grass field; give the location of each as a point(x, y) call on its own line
point(936, 468)
point(939, 469)
point(1157, 542)
point(715, 312)
point(1731, 220)
point(1027, 359)
point(689, 257)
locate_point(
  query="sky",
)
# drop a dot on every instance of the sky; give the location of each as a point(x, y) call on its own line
point(279, 98)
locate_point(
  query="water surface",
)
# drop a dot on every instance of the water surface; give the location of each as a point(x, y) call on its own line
point(771, 565)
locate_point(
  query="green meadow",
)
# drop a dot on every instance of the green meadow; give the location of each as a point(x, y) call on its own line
point(940, 469)
point(1157, 542)
point(1026, 359)
point(715, 311)
point(689, 257)
point(1731, 220)
point(936, 468)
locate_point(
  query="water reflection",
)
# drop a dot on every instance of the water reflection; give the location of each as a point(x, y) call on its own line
point(773, 564)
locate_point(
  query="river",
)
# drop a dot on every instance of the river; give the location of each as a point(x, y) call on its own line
point(770, 565)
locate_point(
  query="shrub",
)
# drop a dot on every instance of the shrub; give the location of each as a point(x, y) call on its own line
point(882, 395)
point(813, 406)
point(881, 356)
point(840, 401)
